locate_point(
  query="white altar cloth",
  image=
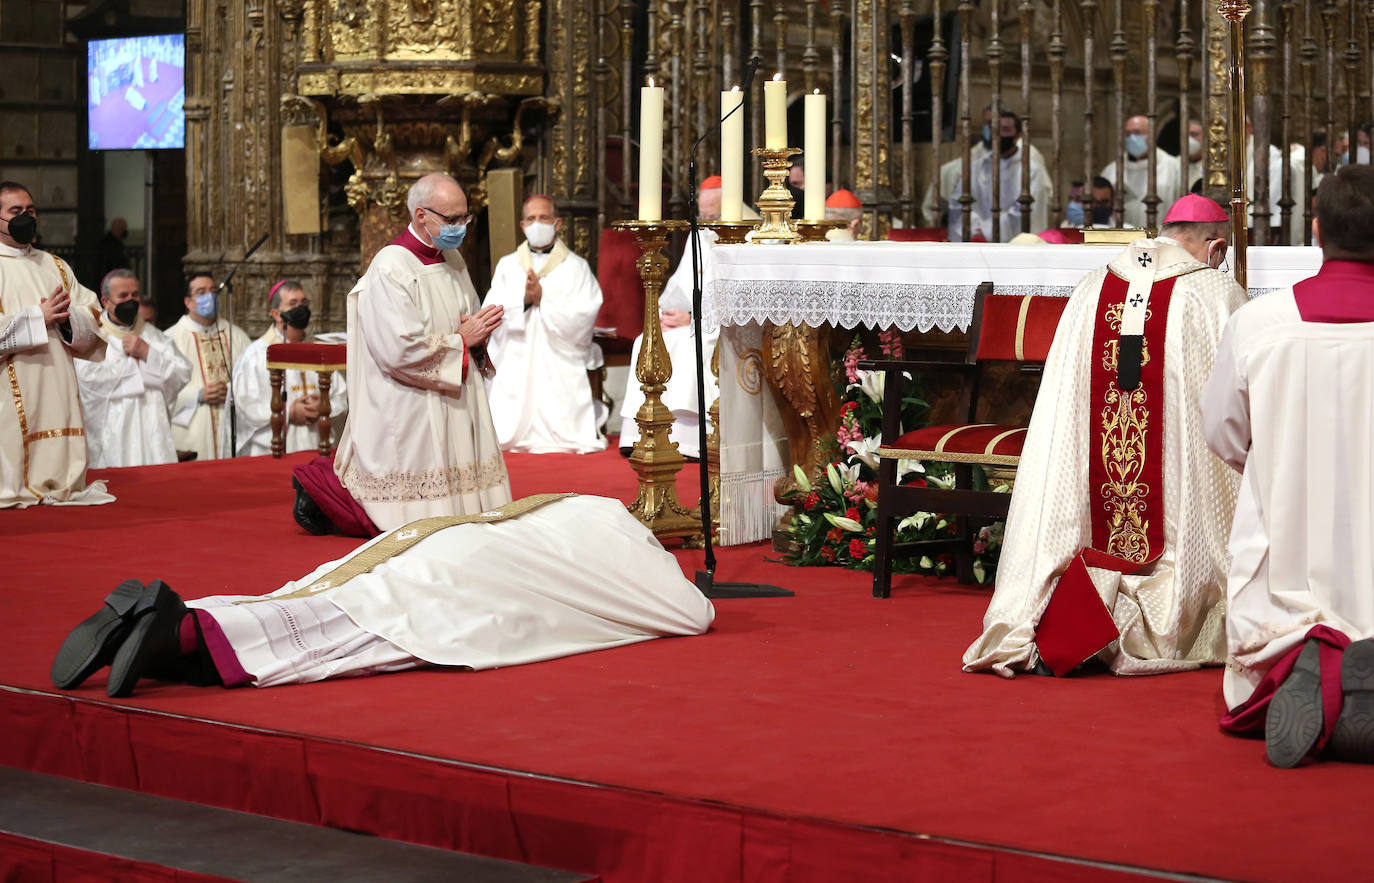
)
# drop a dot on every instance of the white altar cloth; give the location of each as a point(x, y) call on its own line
point(902, 285)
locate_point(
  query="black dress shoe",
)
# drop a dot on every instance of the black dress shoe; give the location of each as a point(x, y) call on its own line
point(153, 645)
point(1294, 720)
point(92, 644)
point(1353, 737)
point(308, 514)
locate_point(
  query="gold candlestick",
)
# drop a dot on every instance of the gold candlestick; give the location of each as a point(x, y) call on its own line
point(1235, 11)
point(729, 232)
point(814, 231)
point(713, 446)
point(776, 203)
point(656, 459)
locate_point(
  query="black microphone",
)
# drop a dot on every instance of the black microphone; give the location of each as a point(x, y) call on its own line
point(246, 255)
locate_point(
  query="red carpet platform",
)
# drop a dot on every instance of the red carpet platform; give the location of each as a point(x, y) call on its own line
point(823, 737)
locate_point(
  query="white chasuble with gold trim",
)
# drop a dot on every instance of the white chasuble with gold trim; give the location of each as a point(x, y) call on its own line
point(42, 434)
point(211, 350)
point(1170, 614)
point(419, 439)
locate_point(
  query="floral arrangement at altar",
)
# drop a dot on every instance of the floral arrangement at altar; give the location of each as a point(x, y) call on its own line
point(836, 518)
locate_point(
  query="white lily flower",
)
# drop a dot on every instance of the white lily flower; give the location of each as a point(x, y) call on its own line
point(906, 467)
point(844, 523)
point(849, 474)
point(802, 481)
point(866, 450)
point(834, 478)
point(871, 382)
point(917, 521)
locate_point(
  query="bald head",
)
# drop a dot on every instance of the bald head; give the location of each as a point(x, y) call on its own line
point(436, 200)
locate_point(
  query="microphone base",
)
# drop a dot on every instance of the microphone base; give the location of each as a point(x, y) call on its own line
point(706, 584)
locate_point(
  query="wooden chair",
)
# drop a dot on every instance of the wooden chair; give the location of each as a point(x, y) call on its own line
point(322, 358)
point(1004, 327)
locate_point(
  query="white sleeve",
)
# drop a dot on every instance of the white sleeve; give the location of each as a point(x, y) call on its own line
point(165, 370)
point(569, 311)
point(1226, 405)
point(396, 337)
point(252, 393)
point(24, 331)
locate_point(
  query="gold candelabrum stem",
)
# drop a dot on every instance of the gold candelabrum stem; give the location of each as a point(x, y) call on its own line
point(729, 232)
point(1235, 11)
point(656, 459)
point(776, 203)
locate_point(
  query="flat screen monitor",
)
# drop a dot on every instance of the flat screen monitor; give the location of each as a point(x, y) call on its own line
point(137, 92)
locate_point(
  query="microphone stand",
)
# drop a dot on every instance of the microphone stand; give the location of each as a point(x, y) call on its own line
point(228, 286)
point(706, 579)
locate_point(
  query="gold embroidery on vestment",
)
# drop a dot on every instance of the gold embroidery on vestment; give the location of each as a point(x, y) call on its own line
point(69, 431)
point(431, 484)
point(1125, 424)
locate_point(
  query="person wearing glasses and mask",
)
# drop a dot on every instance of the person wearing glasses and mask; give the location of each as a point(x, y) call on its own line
point(1136, 173)
point(288, 306)
point(540, 398)
point(419, 440)
point(47, 319)
point(128, 396)
point(1115, 545)
point(200, 421)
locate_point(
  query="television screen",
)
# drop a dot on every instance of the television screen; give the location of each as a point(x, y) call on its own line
point(137, 92)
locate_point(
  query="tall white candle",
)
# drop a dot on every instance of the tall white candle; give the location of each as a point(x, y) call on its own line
point(732, 155)
point(775, 113)
point(651, 152)
point(814, 151)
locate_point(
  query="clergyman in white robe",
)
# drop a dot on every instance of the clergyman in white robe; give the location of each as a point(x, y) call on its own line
point(1169, 615)
point(680, 392)
point(128, 401)
point(541, 399)
point(253, 396)
point(503, 587)
point(212, 346)
point(42, 434)
point(1009, 209)
point(419, 440)
point(1289, 403)
point(1136, 178)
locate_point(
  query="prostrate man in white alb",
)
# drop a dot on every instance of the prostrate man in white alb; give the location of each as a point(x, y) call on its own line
point(289, 309)
point(47, 318)
point(502, 587)
point(1289, 405)
point(1115, 541)
point(1008, 149)
point(541, 400)
point(200, 423)
point(419, 440)
point(1136, 173)
point(128, 397)
point(675, 321)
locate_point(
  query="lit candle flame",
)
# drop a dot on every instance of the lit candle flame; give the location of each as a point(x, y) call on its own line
point(777, 78)
point(815, 91)
point(734, 88)
point(651, 82)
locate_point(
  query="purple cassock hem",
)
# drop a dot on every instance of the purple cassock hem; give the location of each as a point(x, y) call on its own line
point(221, 653)
point(323, 486)
point(1247, 719)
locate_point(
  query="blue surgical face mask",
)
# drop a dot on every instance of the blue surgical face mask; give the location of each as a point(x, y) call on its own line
point(207, 305)
point(987, 136)
point(1074, 214)
point(1136, 145)
point(449, 236)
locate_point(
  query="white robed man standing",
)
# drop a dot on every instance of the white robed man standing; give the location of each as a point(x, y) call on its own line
point(47, 319)
point(200, 423)
point(1289, 405)
point(419, 440)
point(289, 309)
point(129, 395)
point(675, 322)
point(1115, 540)
point(507, 586)
point(1136, 173)
point(541, 400)
point(1005, 150)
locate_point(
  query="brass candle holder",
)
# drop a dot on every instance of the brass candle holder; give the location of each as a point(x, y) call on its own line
point(729, 232)
point(814, 231)
point(776, 203)
point(656, 459)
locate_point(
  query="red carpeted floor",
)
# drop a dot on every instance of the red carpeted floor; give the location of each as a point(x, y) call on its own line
point(803, 738)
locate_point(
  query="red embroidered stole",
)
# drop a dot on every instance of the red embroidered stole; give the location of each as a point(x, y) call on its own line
point(1125, 479)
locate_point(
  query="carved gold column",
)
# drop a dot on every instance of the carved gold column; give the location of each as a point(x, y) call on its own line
point(872, 131)
point(1217, 100)
point(655, 458)
point(1235, 11)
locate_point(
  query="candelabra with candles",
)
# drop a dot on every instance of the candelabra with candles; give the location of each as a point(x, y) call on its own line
point(776, 203)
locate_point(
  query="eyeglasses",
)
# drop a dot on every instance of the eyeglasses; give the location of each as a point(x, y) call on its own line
point(460, 220)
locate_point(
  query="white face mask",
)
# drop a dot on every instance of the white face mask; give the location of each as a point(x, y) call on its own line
point(539, 234)
point(1194, 146)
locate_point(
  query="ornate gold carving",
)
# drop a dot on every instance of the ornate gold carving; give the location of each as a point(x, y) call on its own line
point(1125, 424)
point(795, 359)
point(776, 203)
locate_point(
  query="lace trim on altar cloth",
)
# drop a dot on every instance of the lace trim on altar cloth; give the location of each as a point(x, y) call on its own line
point(1034, 290)
point(431, 484)
point(898, 305)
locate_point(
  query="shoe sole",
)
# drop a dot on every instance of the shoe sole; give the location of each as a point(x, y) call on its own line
point(134, 655)
point(92, 645)
point(1294, 721)
point(1353, 737)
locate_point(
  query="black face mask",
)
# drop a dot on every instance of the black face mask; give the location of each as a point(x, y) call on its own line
point(1007, 144)
point(1102, 214)
point(297, 317)
point(23, 228)
point(125, 313)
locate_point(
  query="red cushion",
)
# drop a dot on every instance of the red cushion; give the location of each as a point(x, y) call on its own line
point(918, 234)
point(622, 291)
point(1062, 236)
point(1019, 328)
point(309, 353)
point(961, 443)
